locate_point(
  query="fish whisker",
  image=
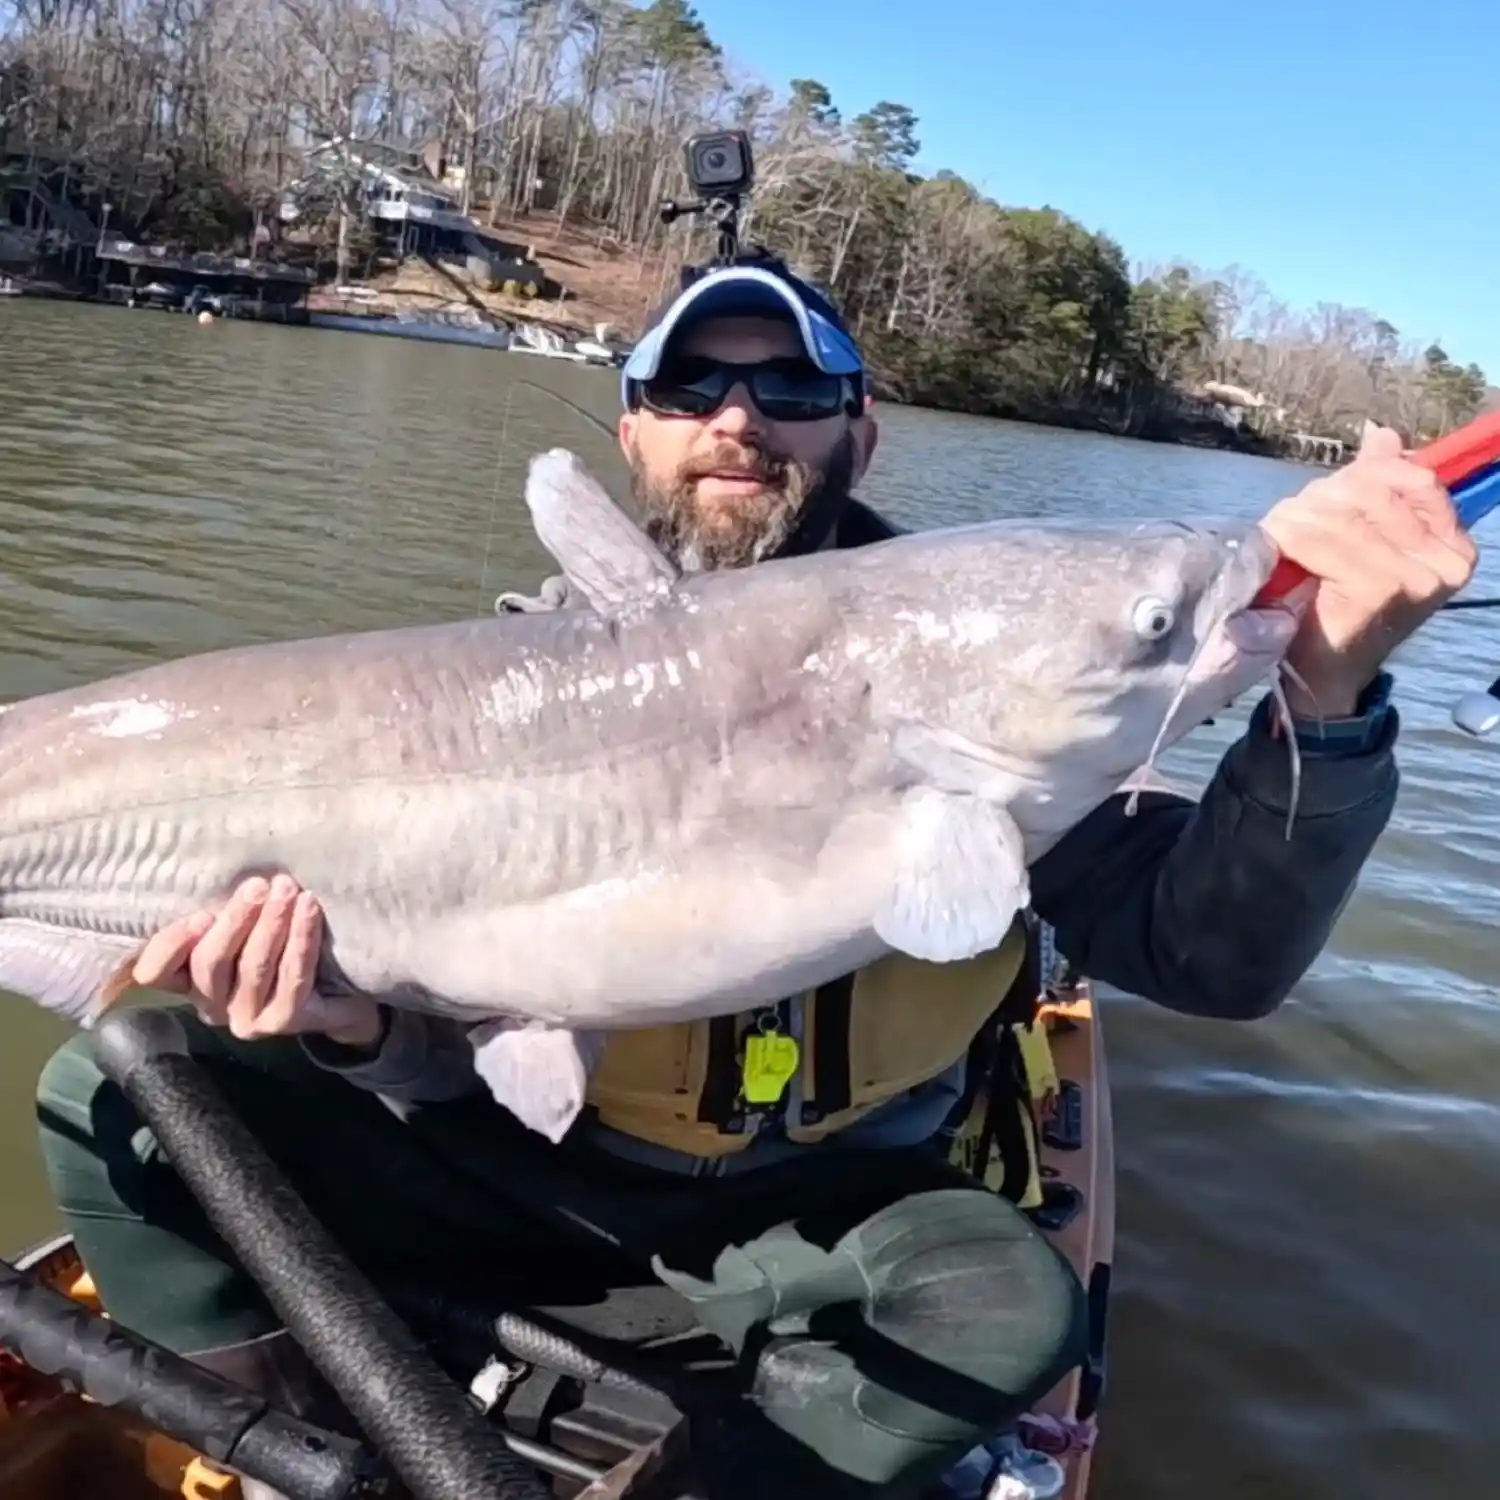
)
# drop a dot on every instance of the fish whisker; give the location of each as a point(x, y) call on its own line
point(1278, 693)
point(1132, 803)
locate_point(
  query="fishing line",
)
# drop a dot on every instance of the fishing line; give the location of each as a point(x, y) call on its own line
point(480, 607)
point(573, 406)
point(489, 531)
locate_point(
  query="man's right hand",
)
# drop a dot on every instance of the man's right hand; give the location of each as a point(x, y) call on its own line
point(250, 966)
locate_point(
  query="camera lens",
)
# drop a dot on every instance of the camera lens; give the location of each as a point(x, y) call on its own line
point(719, 163)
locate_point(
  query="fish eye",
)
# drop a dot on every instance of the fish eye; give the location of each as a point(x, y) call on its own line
point(1152, 618)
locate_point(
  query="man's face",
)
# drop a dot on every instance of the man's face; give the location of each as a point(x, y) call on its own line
point(727, 489)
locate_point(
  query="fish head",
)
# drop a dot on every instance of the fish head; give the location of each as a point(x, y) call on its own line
point(1068, 656)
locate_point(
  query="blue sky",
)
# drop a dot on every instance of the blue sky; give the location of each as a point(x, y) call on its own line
point(1342, 151)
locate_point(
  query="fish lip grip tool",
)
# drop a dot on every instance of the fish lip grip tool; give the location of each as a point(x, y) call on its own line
point(1467, 462)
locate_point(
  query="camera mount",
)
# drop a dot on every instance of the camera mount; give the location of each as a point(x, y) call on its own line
point(725, 212)
point(721, 170)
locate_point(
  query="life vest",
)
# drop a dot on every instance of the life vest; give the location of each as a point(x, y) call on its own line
point(818, 1062)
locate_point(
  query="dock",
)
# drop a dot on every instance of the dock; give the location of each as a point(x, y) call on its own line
point(232, 286)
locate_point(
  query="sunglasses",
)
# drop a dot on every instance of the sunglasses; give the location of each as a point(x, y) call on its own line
point(783, 390)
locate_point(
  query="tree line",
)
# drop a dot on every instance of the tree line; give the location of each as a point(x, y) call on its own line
point(191, 116)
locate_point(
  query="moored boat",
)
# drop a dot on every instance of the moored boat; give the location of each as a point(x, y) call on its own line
point(579, 1403)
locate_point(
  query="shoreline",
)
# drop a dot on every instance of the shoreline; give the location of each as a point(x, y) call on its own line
point(388, 309)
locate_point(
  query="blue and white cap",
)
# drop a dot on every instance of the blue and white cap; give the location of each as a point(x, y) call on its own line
point(745, 291)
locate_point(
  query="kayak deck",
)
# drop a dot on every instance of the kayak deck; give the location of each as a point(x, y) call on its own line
point(58, 1445)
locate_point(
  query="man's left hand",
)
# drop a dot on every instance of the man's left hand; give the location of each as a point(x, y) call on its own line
point(1383, 540)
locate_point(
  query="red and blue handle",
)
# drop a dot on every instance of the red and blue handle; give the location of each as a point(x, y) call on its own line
point(1467, 462)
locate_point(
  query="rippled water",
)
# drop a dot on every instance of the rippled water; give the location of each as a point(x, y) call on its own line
point(1309, 1207)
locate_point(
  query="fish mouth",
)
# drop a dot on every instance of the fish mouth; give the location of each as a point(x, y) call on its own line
point(1262, 632)
point(1258, 630)
point(1246, 639)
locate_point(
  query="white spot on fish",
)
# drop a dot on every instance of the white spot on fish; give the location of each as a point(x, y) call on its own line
point(694, 660)
point(131, 718)
point(972, 627)
point(590, 687)
point(513, 699)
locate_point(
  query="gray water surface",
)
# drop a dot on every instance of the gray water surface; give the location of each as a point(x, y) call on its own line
point(1306, 1300)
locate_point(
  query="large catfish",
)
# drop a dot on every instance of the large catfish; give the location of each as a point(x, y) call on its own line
point(694, 795)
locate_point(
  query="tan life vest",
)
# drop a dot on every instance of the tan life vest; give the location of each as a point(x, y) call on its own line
point(865, 1039)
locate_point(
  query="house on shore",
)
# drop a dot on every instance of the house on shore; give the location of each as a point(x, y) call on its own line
point(410, 211)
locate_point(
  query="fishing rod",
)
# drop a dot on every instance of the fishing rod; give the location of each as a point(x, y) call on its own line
point(1467, 463)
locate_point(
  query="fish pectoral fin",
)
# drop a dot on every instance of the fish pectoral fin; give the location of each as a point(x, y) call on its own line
point(603, 553)
point(76, 975)
point(960, 877)
point(946, 760)
point(539, 1073)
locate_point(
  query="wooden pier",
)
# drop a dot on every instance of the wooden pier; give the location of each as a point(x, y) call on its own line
point(232, 286)
point(53, 230)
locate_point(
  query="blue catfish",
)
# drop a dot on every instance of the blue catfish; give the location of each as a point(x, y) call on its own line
point(685, 797)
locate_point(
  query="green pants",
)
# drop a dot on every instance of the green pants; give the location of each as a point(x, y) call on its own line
point(888, 1313)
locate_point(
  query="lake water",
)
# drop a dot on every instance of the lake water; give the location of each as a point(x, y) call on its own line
point(1309, 1207)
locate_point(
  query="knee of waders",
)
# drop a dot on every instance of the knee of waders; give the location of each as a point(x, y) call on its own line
point(966, 1288)
point(969, 1318)
point(93, 1143)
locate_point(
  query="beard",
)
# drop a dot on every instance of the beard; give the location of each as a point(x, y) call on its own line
point(702, 536)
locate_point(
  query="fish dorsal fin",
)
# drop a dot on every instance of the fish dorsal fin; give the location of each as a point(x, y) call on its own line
point(603, 553)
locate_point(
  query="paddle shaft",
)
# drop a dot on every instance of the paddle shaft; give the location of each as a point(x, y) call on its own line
point(424, 1423)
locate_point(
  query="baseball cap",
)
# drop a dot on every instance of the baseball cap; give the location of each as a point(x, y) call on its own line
point(745, 290)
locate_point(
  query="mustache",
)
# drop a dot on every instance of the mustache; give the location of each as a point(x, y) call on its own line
point(734, 458)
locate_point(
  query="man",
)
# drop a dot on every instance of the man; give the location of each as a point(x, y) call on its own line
point(808, 1216)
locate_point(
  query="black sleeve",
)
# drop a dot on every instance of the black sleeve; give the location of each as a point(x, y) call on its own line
point(1209, 908)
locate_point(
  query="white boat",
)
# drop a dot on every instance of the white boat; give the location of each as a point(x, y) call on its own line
point(533, 338)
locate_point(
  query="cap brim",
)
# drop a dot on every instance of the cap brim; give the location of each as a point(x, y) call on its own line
point(744, 291)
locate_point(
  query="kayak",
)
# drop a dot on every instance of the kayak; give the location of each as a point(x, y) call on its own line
point(1077, 1154)
point(57, 1443)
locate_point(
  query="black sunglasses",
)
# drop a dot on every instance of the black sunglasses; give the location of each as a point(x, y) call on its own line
point(783, 390)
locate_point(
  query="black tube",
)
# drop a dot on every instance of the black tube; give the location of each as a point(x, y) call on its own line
point(57, 1336)
point(529, 1341)
point(437, 1441)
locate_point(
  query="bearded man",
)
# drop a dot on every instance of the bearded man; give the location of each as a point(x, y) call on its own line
point(889, 1312)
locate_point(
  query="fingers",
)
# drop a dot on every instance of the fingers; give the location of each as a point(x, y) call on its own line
point(1379, 442)
point(1382, 521)
point(214, 961)
point(256, 973)
point(278, 998)
point(162, 963)
point(1370, 557)
point(249, 966)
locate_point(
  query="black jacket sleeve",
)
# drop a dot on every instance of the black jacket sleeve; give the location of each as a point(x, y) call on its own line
point(1209, 908)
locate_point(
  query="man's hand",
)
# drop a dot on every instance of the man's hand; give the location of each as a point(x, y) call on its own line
point(1383, 539)
point(250, 967)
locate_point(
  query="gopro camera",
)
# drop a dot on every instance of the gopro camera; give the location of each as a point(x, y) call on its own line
point(720, 165)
